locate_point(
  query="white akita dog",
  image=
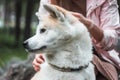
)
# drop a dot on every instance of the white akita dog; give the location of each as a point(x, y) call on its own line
point(66, 45)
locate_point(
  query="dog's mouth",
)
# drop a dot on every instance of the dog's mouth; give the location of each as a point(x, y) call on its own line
point(37, 50)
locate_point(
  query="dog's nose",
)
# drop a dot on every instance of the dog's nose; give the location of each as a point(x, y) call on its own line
point(25, 44)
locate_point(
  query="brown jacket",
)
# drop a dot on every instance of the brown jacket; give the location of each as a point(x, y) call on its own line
point(106, 71)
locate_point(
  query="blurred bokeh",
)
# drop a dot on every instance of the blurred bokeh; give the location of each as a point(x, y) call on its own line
point(17, 23)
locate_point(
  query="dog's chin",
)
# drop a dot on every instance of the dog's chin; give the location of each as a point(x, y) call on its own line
point(39, 50)
point(34, 51)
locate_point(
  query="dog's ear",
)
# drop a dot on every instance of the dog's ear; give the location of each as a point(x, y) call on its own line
point(54, 12)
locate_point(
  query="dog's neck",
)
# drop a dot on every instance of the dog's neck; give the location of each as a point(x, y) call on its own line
point(69, 69)
point(71, 55)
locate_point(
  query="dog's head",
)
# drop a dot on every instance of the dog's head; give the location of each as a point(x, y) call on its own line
point(53, 31)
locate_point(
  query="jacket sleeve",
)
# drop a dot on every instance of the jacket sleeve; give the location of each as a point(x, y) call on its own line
point(109, 21)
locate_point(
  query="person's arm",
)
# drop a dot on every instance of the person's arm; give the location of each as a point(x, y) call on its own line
point(95, 31)
point(106, 34)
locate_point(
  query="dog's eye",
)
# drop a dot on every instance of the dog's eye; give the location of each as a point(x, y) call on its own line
point(42, 30)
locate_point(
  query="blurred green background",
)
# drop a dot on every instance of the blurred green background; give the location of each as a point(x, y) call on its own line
point(17, 23)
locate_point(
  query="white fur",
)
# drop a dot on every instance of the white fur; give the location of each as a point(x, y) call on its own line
point(68, 45)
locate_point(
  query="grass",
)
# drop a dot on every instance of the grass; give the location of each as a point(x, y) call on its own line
point(8, 53)
point(8, 50)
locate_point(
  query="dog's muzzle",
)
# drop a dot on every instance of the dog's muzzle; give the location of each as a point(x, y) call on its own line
point(26, 46)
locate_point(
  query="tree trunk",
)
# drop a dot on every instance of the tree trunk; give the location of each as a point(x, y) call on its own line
point(18, 7)
point(6, 13)
point(29, 10)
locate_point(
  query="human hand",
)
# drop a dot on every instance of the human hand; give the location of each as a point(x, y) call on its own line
point(37, 61)
point(87, 22)
point(79, 16)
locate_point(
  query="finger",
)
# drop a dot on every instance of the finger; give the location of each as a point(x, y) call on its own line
point(39, 60)
point(35, 63)
point(40, 56)
point(81, 18)
point(78, 15)
point(36, 68)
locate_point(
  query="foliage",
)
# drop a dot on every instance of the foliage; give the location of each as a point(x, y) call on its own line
point(8, 50)
point(9, 34)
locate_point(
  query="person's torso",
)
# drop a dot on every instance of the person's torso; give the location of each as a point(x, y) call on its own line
point(73, 5)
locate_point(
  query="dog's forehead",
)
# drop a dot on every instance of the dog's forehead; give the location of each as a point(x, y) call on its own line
point(48, 22)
